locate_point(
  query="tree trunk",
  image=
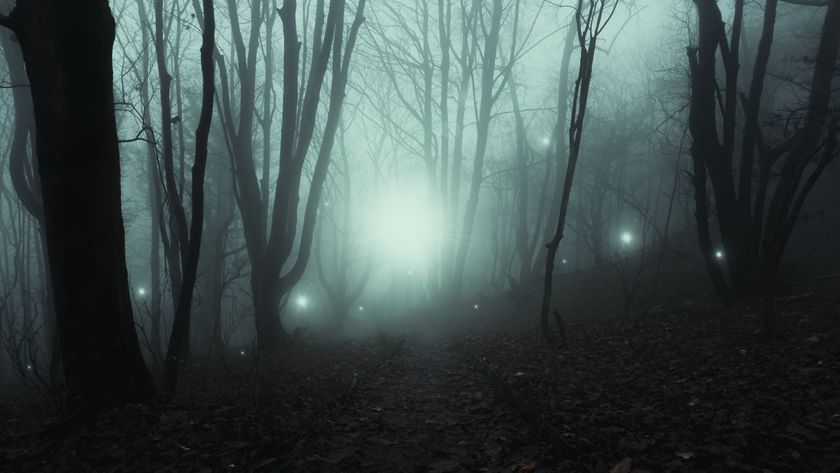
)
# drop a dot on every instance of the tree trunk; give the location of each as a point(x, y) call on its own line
point(589, 26)
point(67, 49)
point(179, 341)
point(488, 98)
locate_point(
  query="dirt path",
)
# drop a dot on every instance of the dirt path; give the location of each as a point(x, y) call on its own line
point(426, 412)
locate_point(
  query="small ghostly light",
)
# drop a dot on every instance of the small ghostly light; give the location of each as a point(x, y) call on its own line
point(29, 367)
point(476, 307)
point(719, 254)
point(141, 292)
point(302, 302)
point(242, 353)
point(361, 308)
point(546, 141)
point(565, 261)
point(626, 238)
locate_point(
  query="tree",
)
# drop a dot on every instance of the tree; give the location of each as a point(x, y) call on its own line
point(179, 347)
point(590, 22)
point(410, 59)
point(270, 239)
point(22, 172)
point(152, 305)
point(67, 49)
point(488, 96)
point(756, 216)
point(337, 282)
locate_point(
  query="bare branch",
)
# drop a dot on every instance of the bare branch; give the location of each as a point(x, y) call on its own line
point(139, 136)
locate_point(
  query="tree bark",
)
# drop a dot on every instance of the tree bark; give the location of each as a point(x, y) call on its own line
point(179, 346)
point(67, 50)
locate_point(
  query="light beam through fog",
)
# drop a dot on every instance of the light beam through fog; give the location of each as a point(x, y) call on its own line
point(404, 229)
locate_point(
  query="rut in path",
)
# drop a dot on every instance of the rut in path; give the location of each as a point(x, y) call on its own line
point(426, 412)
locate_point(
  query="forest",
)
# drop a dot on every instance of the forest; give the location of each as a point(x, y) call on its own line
point(419, 236)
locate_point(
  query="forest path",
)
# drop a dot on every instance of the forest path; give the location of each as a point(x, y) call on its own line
point(426, 411)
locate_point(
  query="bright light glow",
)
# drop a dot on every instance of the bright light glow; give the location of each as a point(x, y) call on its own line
point(719, 254)
point(546, 141)
point(475, 307)
point(361, 308)
point(242, 353)
point(626, 238)
point(141, 291)
point(29, 367)
point(404, 228)
point(564, 261)
point(302, 301)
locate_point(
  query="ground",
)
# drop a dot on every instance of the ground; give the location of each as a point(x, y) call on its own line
point(687, 388)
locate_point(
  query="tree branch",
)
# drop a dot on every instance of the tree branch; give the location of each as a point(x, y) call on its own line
point(139, 137)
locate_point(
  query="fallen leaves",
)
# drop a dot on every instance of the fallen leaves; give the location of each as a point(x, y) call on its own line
point(695, 391)
point(225, 419)
point(691, 392)
point(624, 466)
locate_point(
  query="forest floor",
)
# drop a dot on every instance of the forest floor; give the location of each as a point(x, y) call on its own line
point(688, 388)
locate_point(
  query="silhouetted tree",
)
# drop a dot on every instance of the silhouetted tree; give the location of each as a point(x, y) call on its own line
point(67, 49)
point(755, 223)
point(590, 22)
point(179, 346)
point(270, 239)
point(24, 177)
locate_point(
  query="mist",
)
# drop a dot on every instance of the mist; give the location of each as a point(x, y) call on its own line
point(410, 235)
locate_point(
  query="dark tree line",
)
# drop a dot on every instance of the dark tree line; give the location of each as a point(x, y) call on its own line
point(759, 179)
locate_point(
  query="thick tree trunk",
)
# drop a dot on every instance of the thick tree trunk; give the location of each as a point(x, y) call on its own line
point(67, 50)
point(271, 336)
point(753, 238)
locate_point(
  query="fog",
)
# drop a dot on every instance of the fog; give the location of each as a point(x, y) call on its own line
point(395, 237)
point(400, 167)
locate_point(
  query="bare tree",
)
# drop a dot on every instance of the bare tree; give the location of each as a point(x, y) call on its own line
point(78, 162)
point(342, 286)
point(179, 348)
point(755, 224)
point(590, 21)
point(271, 241)
point(24, 176)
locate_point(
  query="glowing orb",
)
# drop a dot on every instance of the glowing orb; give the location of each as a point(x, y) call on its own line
point(361, 308)
point(626, 238)
point(29, 367)
point(242, 353)
point(302, 302)
point(141, 292)
point(564, 261)
point(546, 141)
point(719, 254)
point(475, 307)
point(405, 228)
